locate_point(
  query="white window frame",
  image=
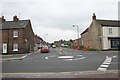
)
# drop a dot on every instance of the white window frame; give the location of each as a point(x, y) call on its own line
point(15, 33)
point(110, 31)
point(15, 47)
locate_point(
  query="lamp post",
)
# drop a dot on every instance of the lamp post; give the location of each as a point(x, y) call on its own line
point(77, 41)
point(45, 37)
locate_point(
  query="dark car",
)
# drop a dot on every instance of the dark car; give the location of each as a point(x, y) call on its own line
point(45, 49)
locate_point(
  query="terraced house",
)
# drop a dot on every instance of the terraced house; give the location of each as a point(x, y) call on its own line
point(17, 36)
point(102, 34)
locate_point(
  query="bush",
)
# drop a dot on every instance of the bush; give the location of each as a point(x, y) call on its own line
point(81, 47)
point(93, 49)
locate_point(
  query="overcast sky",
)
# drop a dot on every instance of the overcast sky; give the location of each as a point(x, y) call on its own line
point(56, 17)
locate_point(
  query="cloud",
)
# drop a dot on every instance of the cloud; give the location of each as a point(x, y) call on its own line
point(55, 34)
point(56, 17)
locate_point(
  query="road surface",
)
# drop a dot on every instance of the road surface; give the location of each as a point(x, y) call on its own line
point(66, 63)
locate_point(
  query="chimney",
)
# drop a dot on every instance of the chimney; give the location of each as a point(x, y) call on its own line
point(15, 18)
point(94, 16)
point(2, 19)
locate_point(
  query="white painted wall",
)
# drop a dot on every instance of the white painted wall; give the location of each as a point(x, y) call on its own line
point(105, 35)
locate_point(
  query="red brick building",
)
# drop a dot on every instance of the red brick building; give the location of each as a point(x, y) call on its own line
point(17, 36)
point(39, 42)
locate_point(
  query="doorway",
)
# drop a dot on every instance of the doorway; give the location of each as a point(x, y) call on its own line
point(4, 48)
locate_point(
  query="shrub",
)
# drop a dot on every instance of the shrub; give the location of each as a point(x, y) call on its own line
point(93, 49)
point(81, 47)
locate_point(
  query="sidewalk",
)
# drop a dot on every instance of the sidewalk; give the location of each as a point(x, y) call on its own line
point(9, 57)
point(13, 57)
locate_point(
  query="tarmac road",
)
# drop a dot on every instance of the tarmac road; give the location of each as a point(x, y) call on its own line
point(69, 64)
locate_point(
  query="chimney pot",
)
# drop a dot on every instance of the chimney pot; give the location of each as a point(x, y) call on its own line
point(2, 19)
point(94, 16)
point(15, 18)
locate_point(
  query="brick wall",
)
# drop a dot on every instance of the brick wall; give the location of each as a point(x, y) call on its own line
point(23, 33)
point(29, 35)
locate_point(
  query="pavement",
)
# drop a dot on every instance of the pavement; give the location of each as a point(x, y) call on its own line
point(9, 57)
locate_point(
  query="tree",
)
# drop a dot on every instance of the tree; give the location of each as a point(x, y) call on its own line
point(71, 40)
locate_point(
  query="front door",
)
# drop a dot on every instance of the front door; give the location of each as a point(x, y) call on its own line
point(4, 48)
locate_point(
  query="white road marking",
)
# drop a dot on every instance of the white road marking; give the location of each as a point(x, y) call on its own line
point(102, 69)
point(114, 56)
point(105, 64)
point(75, 59)
point(69, 59)
point(82, 57)
point(65, 57)
point(24, 56)
point(46, 57)
point(50, 56)
point(108, 61)
point(106, 57)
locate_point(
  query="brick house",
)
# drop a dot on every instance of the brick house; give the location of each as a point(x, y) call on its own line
point(39, 42)
point(102, 34)
point(17, 36)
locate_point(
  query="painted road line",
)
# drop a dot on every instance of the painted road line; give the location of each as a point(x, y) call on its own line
point(46, 57)
point(65, 57)
point(108, 58)
point(23, 57)
point(50, 56)
point(104, 66)
point(114, 56)
point(106, 63)
point(76, 59)
point(102, 69)
point(80, 58)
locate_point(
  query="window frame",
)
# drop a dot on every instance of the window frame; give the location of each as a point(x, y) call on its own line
point(15, 33)
point(110, 31)
point(15, 46)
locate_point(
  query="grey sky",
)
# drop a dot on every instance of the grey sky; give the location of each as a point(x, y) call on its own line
point(55, 17)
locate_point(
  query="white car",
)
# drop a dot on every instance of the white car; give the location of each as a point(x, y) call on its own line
point(53, 46)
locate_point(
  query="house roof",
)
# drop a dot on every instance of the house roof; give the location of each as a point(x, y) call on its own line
point(14, 24)
point(106, 23)
point(111, 23)
point(86, 30)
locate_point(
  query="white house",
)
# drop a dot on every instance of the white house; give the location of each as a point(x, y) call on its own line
point(102, 34)
point(110, 37)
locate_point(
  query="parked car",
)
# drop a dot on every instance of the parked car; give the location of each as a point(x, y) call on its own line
point(45, 49)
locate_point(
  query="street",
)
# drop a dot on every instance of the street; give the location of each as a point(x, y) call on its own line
point(62, 64)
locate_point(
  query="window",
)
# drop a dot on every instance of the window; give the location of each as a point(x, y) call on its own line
point(15, 47)
point(15, 33)
point(115, 43)
point(110, 30)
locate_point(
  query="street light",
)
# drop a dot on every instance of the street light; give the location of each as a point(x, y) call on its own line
point(45, 37)
point(77, 35)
